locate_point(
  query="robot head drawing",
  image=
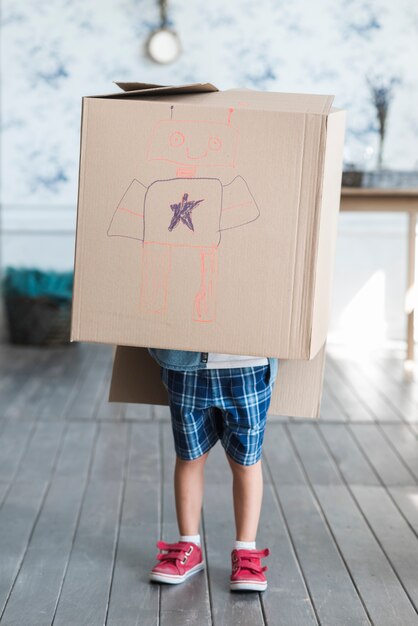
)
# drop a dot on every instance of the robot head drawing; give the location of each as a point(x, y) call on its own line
point(194, 143)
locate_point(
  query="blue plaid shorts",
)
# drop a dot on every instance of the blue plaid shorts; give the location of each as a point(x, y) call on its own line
point(229, 404)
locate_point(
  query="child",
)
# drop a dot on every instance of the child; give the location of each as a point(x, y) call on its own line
point(216, 396)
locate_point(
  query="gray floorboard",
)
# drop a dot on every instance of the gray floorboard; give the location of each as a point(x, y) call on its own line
point(390, 381)
point(343, 393)
point(86, 491)
point(405, 441)
point(133, 599)
point(374, 398)
point(313, 454)
point(14, 439)
point(331, 409)
point(144, 462)
point(86, 588)
point(368, 565)
point(348, 456)
point(286, 601)
point(406, 499)
point(85, 402)
point(393, 533)
point(388, 465)
point(37, 586)
point(330, 585)
point(18, 516)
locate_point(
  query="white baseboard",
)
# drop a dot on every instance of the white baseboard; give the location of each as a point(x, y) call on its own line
point(23, 219)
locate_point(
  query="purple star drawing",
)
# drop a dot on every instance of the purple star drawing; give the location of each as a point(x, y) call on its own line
point(182, 211)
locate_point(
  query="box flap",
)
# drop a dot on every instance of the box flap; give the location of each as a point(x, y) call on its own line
point(137, 86)
point(136, 379)
point(149, 89)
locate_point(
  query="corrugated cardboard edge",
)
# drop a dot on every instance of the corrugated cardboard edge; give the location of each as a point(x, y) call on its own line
point(311, 264)
point(306, 233)
point(329, 204)
point(321, 225)
point(297, 390)
point(76, 299)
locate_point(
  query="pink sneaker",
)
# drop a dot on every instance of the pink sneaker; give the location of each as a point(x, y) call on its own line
point(247, 573)
point(177, 562)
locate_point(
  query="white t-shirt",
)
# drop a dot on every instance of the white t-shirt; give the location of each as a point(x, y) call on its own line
point(216, 360)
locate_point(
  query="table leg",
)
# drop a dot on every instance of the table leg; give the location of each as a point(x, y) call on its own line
point(411, 289)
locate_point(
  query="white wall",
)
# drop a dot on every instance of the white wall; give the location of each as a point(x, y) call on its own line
point(55, 51)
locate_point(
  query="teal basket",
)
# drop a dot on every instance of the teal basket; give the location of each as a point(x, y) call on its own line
point(38, 306)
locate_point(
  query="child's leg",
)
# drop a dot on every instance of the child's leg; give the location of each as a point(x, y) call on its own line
point(248, 495)
point(188, 488)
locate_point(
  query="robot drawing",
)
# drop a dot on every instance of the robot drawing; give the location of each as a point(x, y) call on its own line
point(185, 210)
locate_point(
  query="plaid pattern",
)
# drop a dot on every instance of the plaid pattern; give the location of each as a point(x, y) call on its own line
point(229, 404)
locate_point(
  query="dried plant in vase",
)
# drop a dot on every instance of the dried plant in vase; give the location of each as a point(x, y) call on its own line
point(382, 91)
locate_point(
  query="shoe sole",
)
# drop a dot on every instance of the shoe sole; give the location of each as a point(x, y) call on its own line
point(175, 579)
point(247, 586)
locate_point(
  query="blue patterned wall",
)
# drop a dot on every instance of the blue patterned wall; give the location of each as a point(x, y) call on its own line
point(55, 51)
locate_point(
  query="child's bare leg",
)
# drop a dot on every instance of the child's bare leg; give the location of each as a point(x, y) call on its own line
point(248, 495)
point(188, 489)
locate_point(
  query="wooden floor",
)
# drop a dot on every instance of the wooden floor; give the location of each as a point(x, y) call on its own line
point(86, 491)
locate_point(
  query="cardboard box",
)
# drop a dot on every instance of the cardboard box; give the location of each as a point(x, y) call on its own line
point(207, 221)
point(296, 393)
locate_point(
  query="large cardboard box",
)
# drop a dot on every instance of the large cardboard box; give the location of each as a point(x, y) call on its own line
point(207, 221)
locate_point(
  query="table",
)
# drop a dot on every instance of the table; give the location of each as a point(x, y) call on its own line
point(397, 201)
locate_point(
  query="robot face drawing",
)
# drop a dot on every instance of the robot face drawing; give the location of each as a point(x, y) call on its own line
point(194, 142)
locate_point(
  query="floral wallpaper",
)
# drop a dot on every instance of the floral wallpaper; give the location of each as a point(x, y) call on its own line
point(56, 51)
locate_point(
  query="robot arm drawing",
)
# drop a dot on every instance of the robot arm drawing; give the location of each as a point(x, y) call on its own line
point(238, 205)
point(128, 219)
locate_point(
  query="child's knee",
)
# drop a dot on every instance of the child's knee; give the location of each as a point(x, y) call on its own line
point(200, 460)
point(242, 468)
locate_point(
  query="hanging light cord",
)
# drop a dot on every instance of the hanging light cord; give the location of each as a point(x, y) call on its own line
point(163, 13)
